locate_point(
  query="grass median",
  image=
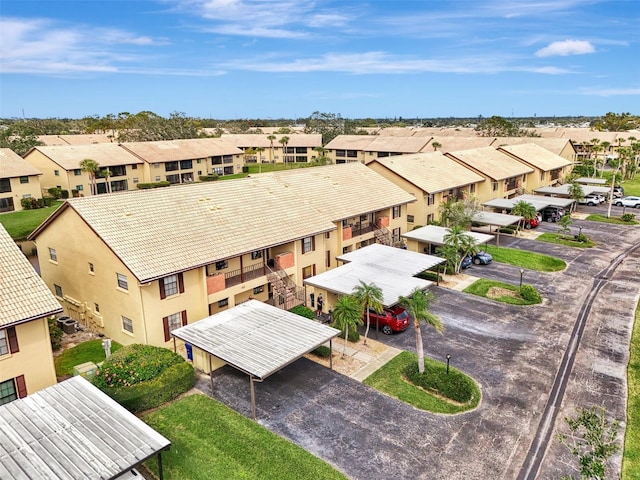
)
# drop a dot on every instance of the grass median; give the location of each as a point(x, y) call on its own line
point(526, 259)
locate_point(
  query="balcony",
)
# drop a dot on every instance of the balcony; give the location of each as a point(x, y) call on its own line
point(236, 277)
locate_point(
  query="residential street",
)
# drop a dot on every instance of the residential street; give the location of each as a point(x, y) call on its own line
point(513, 352)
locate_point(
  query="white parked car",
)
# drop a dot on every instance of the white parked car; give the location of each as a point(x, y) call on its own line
point(628, 202)
point(592, 199)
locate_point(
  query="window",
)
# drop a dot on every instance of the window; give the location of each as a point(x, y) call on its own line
point(96, 308)
point(186, 164)
point(173, 321)
point(309, 271)
point(5, 185)
point(156, 165)
point(171, 166)
point(431, 199)
point(221, 265)
point(79, 187)
point(173, 179)
point(256, 255)
point(258, 290)
point(494, 186)
point(53, 256)
point(91, 269)
point(6, 204)
point(8, 392)
point(56, 173)
point(127, 324)
point(4, 343)
point(157, 178)
point(223, 303)
point(134, 167)
point(396, 235)
point(328, 262)
point(58, 290)
point(135, 180)
point(341, 153)
point(430, 219)
point(327, 235)
point(472, 188)
point(77, 172)
point(122, 281)
point(396, 211)
point(410, 218)
point(308, 244)
point(345, 223)
point(24, 179)
point(171, 285)
point(26, 195)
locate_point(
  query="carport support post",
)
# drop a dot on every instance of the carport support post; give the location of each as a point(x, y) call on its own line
point(331, 353)
point(160, 473)
point(253, 397)
point(211, 375)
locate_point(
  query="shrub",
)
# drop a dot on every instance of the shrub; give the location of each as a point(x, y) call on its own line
point(529, 293)
point(146, 186)
point(245, 169)
point(55, 192)
point(455, 385)
point(64, 193)
point(582, 238)
point(509, 229)
point(47, 201)
point(303, 311)
point(140, 377)
point(55, 333)
point(208, 178)
point(429, 275)
point(322, 352)
point(627, 217)
point(75, 193)
point(354, 336)
point(30, 203)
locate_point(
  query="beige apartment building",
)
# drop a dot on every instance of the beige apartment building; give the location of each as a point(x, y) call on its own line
point(432, 179)
point(504, 176)
point(26, 360)
point(137, 265)
point(366, 148)
point(549, 169)
point(280, 148)
point(18, 179)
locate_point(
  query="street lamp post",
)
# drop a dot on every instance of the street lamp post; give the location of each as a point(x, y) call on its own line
point(448, 358)
point(521, 274)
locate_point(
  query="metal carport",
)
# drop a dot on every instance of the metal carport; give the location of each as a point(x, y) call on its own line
point(72, 430)
point(255, 338)
point(434, 235)
point(389, 268)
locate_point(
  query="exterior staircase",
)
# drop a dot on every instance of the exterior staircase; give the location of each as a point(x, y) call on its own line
point(382, 235)
point(286, 294)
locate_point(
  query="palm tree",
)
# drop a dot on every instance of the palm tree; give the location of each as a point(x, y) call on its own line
point(347, 313)
point(284, 141)
point(271, 138)
point(526, 210)
point(106, 173)
point(321, 151)
point(436, 145)
point(463, 243)
point(595, 149)
point(259, 151)
point(575, 191)
point(91, 167)
point(417, 304)
point(370, 297)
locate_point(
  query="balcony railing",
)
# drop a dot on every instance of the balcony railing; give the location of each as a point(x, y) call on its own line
point(236, 277)
point(361, 229)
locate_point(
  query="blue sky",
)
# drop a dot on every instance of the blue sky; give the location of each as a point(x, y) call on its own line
point(231, 59)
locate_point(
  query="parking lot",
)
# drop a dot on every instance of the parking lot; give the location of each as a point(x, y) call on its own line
point(513, 352)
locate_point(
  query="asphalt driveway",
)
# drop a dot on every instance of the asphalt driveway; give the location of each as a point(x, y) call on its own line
point(513, 352)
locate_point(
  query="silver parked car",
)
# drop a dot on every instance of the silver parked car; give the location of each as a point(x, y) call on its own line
point(628, 202)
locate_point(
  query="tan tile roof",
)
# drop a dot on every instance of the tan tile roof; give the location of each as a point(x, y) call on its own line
point(431, 172)
point(188, 149)
point(106, 154)
point(80, 139)
point(166, 230)
point(261, 140)
point(343, 191)
point(537, 156)
point(375, 143)
point(13, 165)
point(554, 145)
point(23, 294)
point(491, 162)
point(456, 142)
point(350, 142)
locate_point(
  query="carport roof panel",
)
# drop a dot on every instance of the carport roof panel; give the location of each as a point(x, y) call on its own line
point(72, 430)
point(555, 201)
point(494, 218)
point(256, 338)
point(563, 190)
point(435, 235)
point(344, 279)
point(508, 203)
point(391, 259)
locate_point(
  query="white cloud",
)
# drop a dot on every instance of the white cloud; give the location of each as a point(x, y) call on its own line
point(567, 47)
point(611, 92)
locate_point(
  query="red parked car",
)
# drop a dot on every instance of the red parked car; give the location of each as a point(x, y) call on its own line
point(532, 223)
point(394, 319)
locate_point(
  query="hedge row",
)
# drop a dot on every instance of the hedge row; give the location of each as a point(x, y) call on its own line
point(454, 385)
point(146, 186)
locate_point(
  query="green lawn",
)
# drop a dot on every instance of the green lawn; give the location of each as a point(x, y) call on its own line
point(481, 287)
point(211, 441)
point(631, 454)
point(632, 187)
point(526, 259)
point(90, 351)
point(390, 379)
point(563, 240)
point(616, 220)
point(21, 224)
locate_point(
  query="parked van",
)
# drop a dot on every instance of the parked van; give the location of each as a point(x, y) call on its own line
point(552, 214)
